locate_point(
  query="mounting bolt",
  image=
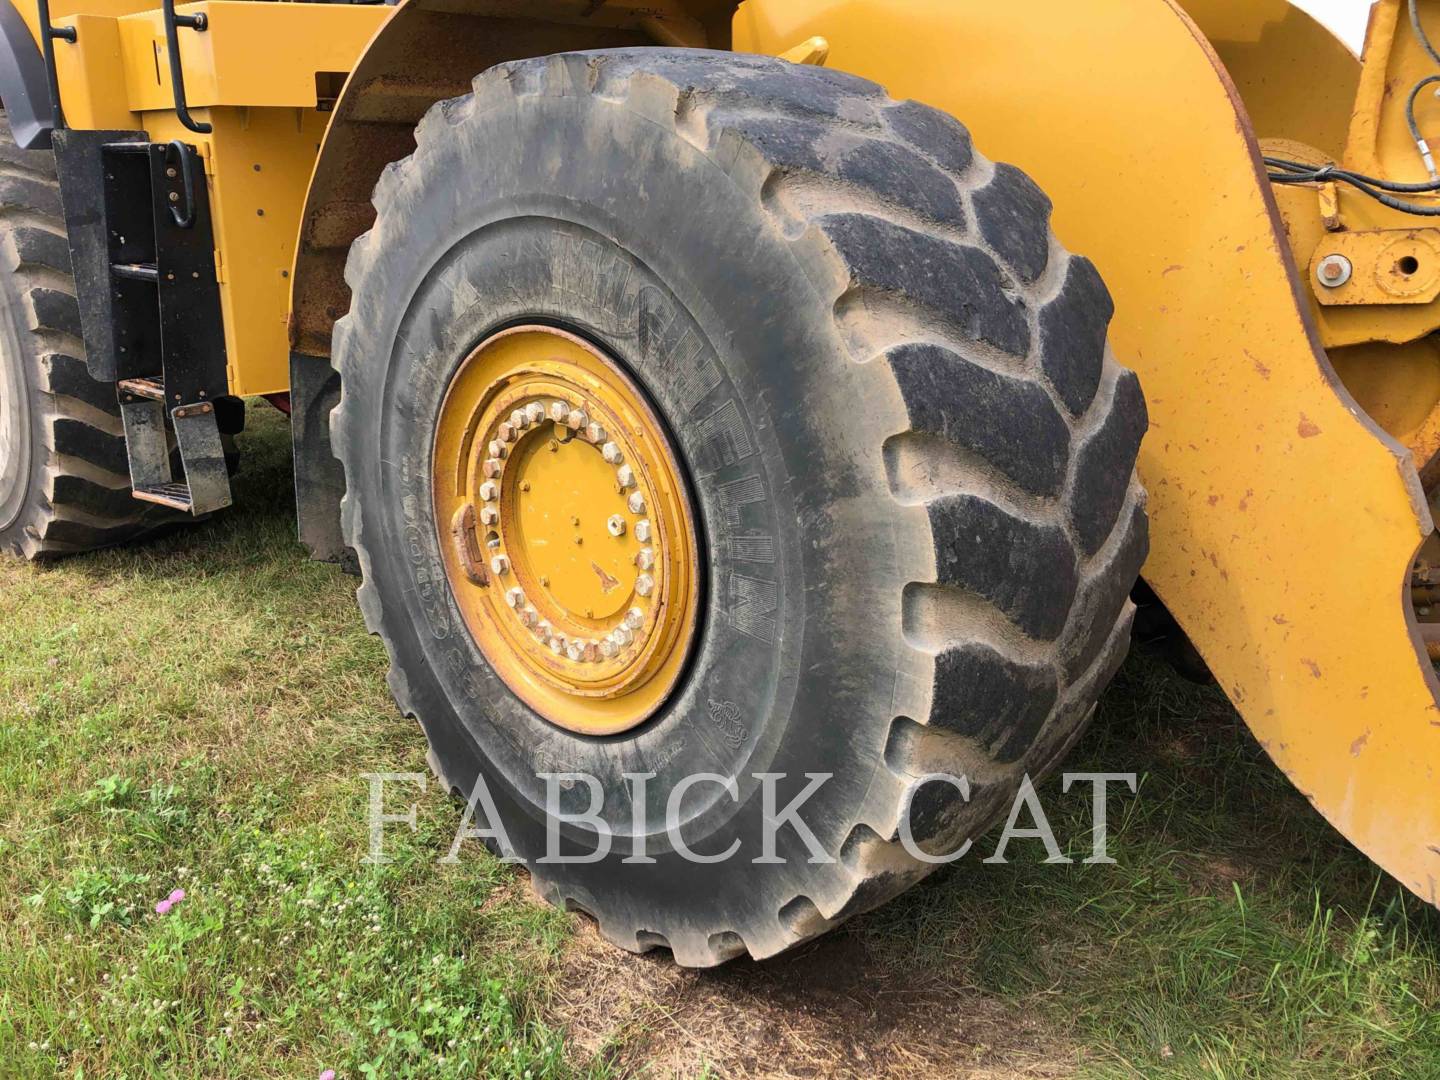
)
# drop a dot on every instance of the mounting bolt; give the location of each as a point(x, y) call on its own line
point(611, 453)
point(489, 491)
point(616, 525)
point(534, 412)
point(501, 565)
point(575, 650)
point(559, 410)
point(1334, 271)
point(636, 503)
point(642, 530)
point(644, 584)
point(595, 433)
point(518, 420)
point(557, 644)
point(576, 419)
point(491, 469)
point(645, 560)
point(489, 515)
point(507, 432)
point(635, 618)
point(529, 616)
point(608, 648)
point(498, 449)
point(622, 636)
point(515, 597)
point(625, 477)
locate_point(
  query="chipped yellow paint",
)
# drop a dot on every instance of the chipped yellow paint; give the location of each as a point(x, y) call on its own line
point(1284, 520)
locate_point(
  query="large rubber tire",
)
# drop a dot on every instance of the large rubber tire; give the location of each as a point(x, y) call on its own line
point(912, 454)
point(64, 478)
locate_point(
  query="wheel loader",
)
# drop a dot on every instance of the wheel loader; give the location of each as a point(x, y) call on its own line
point(736, 407)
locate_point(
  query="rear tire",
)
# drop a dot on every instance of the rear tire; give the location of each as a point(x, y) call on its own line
point(64, 477)
point(911, 450)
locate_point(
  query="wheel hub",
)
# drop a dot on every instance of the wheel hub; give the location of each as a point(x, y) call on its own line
point(571, 547)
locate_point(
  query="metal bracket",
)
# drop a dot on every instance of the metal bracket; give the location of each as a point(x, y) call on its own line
point(1379, 266)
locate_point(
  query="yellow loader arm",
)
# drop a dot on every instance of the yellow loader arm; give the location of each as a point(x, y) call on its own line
point(1285, 518)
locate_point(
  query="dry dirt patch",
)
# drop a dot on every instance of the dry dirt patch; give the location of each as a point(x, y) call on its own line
point(828, 1010)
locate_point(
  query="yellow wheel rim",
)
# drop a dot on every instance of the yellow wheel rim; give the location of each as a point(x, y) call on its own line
point(567, 532)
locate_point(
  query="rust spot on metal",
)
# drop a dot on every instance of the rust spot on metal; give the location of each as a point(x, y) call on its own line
point(1308, 429)
point(1312, 665)
point(1359, 744)
point(467, 546)
point(607, 583)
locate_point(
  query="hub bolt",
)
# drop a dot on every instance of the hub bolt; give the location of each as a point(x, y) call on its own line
point(636, 503)
point(611, 453)
point(491, 468)
point(515, 597)
point(559, 410)
point(534, 412)
point(498, 449)
point(616, 525)
point(500, 564)
point(576, 419)
point(595, 433)
point(489, 515)
point(644, 584)
point(645, 559)
point(625, 477)
point(489, 491)
point(642, 530)
point(635, 618)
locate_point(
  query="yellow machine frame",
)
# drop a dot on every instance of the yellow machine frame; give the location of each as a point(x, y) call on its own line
point(1285, 479)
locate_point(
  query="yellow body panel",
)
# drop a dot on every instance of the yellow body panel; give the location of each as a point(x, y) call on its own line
point(1283, 521)
point(253, 75)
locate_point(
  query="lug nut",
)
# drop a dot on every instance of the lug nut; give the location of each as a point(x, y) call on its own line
point(489, 515)
point(616, 525)
point(645, 560)
point(489, 491)
point(519, 420)
point(622, 636)
point(642, 530)
point(534, 412)
point(559, 410)
point(611, 453)
point(576, 419)
point(515, 597)
point(644, 584)
point(575, 650)
point(542, 629)
point(595, 433)
point(501, 565)
point(492, 468)
point(498, 449)
point(635, 618)
point(507, 432)
point(625, 477)
point(636, 503)
point(608, 648)
point(529, 616)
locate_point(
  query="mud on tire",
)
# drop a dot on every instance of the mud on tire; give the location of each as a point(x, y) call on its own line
point(911, 450)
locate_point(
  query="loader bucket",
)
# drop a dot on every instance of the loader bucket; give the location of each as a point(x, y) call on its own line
point(1285, 521)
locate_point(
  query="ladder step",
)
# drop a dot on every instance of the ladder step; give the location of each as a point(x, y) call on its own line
point(154, 388)
point(176, 496)
point(136, 271)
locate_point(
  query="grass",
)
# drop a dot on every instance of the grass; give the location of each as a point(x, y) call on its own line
point(195, 713)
